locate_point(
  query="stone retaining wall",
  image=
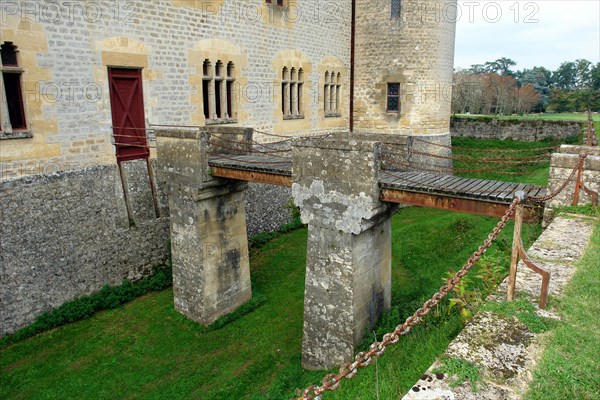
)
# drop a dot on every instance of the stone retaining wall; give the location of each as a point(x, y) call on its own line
point(518, 129)
point(67, 234)
point(267, 207)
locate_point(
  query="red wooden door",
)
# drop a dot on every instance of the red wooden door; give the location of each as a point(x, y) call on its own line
point(127, 107)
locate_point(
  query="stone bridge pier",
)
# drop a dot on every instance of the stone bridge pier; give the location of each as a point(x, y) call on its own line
point(348, 268)
point(211, 273)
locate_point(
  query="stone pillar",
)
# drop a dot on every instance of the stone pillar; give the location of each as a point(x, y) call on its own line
point(348, 268)
point(211, 271)
point(561, 166)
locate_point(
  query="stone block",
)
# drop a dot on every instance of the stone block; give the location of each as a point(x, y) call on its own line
point(561, 167)
point(348, 269)
point(211, 267)
point(182, 158)
point(211, 271)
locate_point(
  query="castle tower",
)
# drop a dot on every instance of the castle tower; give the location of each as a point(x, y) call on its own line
point(404, 56)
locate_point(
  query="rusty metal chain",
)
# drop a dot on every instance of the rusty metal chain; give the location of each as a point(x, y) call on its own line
point(261, 162)
point(486, 150)
point(239, 151)
point(415, 166)
point(516, 161)
point(550, 196)
point(243, 142)
point(332, 381)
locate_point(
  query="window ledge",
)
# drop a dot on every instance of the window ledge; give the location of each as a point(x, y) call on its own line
point(16, 135)
point(221, 121)
point(333, 115)
point(288, 117)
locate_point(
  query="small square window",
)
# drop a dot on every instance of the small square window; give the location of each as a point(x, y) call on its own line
point(396, 6)
point(393, 97)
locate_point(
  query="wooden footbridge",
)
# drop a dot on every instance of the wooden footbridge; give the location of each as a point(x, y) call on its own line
point(345, 188)
point(426, 189)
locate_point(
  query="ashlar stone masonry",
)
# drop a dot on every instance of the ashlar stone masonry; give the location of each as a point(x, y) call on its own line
point(211, 272)
point(348, 268)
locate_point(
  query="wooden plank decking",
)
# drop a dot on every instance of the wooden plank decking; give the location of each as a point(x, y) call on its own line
point(453, 186)
point(478, 196)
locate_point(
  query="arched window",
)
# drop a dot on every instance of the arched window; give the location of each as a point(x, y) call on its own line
point(230, 92)
point(332, 93)
point(338, 92)
point(326, 88)
point(285, 92)
point(219, 98)
point(218, 92)
point(294, 91)
point(292, 87)
point(206, 83)
point(300, 93)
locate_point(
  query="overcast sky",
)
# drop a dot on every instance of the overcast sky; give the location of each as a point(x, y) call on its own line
point(542, 33)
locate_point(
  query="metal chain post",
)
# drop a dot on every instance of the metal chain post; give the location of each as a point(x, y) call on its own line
point(518, 251)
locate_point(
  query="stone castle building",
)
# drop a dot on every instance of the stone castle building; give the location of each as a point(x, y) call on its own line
point(84, 83)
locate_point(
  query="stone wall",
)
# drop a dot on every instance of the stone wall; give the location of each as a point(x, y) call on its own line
point(65, 50)
point(267, 207)
point(517, 129)
point(68, 234)
point(561, 167)
point(415, 50)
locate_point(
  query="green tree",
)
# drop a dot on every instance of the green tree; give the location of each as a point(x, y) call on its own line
point(501, 66)
point(541, 80)
point(584, 74)
point(596, 77)
point(476, 69)
point(565, 77)
point(560, 101)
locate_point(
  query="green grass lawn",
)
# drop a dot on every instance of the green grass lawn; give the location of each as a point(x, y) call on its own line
point(145, 349)
point(571, 363)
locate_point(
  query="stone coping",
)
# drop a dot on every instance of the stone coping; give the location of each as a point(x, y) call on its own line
point(197, 132)
point(346, 143)
point(504, 349)
point(570, 160)
point(573, 149)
